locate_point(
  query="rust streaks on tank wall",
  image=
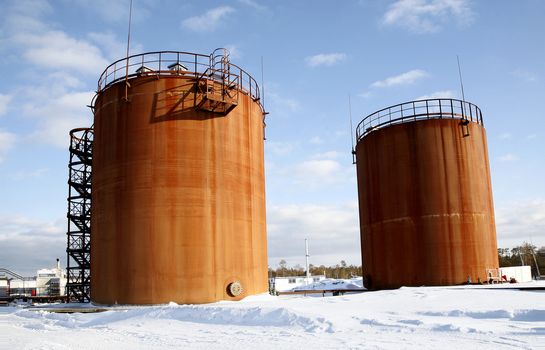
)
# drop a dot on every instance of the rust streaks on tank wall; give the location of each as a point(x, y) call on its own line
point(426, 209)
point(178, 196)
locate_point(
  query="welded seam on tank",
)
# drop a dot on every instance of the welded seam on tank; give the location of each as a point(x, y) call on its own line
point(429, 216)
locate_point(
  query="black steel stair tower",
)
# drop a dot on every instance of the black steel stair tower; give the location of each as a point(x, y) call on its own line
point(79, 216)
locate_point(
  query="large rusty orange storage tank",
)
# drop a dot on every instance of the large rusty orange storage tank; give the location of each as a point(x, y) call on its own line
point(425, 199)
point(178, 208)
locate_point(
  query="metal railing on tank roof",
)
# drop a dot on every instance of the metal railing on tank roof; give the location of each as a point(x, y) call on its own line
point(437, 108)
point(157, 63)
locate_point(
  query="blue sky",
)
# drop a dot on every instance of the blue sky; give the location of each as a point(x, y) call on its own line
point(315, 54)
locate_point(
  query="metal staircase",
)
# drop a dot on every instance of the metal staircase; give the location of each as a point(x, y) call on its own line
point(217, 86)
point(79, 215)
point(5, 272)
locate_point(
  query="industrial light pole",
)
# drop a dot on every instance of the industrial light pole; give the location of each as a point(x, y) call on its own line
point(307, 256)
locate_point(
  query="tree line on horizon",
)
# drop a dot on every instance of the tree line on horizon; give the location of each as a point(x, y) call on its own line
point(338, 271)
point(525, 254)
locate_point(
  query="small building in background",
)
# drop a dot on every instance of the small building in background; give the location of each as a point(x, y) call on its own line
point(25, 287)
point(519, 273)
point(49, 282)
point(4, 287)
point(284, 284)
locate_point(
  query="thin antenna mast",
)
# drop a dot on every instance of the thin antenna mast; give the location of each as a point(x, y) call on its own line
point(351, 130)
point(306, 262)
point(262, 84)
point(465, 122)
point(461, 81)
point(127, 63)
point(263, 98)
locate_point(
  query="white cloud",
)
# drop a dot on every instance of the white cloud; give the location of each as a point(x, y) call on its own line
point(31, 7)
point(509, 157)
point(57, 60)
point(279, 148)
point(7, 141)
point(325, 59)
point(280, 104)
point(4, 102)
point(505, 136)
point(531, 136)
point(316, 140)
point(30, 174)
point(280, 101)
point(234, 51)
point(327, 155)
point(341, 134)
point(23, 15)
point(29, 244)
point(366, 94)
point(65, 80)
point(117, 11)
point(52, 108)
point(332, 230)
point(439, 94)
point(209, 21)
point(406, 78)
point(113, 48)
point(427, 16)
point(524, 75)
point(521, 221)
point(253, 4)
point(320, 171)
point(57, 50)
point(61, 113)
point(324, 169)
point(43, 45)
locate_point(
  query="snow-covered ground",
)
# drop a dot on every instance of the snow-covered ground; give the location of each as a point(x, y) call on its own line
point(425, 317)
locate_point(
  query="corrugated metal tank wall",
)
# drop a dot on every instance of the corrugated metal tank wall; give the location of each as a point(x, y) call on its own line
point(426, 209)
point(178, 196)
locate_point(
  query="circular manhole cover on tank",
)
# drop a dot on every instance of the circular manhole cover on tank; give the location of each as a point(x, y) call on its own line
point(235, 289)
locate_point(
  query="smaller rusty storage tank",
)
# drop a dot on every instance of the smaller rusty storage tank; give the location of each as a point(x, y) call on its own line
point(425, 198)
point(178, 201)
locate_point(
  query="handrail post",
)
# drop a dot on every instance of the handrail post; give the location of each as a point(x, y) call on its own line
point(160, 57)
point(389, 114)
point(427, 110)
point(195, 71)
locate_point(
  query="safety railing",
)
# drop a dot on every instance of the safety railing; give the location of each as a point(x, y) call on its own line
point(78, 247)
point(438, 108)
point(168, 63)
